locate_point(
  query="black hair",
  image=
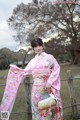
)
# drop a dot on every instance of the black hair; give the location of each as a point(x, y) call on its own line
point(36, 42)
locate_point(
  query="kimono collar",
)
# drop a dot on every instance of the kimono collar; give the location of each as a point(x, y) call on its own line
point(42, 54)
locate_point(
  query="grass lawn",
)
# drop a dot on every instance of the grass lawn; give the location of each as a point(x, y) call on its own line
point(20, 103)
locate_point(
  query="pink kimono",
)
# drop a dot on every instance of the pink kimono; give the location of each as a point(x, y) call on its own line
point(44, 68)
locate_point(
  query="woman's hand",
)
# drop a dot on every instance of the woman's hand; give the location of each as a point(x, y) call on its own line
point(48, 87)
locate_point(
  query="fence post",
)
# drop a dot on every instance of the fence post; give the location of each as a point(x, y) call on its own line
point(27, 84)
point(72, 94)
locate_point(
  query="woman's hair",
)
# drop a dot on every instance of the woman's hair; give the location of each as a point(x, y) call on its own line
point(36, 42)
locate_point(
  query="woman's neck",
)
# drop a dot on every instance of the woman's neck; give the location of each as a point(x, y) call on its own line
point(39, 53)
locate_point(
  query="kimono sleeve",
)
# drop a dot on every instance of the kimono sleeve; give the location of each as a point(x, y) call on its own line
point(54, 78)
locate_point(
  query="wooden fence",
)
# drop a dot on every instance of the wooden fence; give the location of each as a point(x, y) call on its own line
point(73, 105)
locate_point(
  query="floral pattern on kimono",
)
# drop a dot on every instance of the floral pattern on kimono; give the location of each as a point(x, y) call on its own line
point(14, 78)
point(44, 68)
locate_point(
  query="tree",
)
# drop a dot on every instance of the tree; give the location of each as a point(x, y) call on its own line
point(35, 2)
point(42, 18)
point(5, 58)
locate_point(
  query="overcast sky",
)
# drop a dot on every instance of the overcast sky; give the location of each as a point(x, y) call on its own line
point(6, 9)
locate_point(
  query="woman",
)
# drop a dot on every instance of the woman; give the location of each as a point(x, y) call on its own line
point(46, 76)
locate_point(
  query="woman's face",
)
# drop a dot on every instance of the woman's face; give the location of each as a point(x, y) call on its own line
point(38, 49)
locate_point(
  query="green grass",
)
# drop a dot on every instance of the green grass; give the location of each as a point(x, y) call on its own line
point(20, 103)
